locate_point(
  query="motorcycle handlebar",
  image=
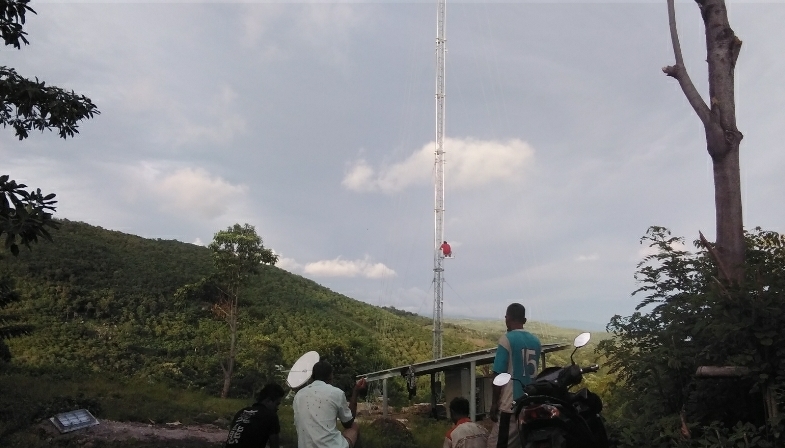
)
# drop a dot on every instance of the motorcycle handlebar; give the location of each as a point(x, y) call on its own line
point(590, 369)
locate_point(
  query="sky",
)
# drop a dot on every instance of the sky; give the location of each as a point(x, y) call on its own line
point(315, 122)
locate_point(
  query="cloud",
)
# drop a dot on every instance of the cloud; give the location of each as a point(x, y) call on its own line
point(584, 258)
point(220, 125)
point(183, 121)
point(348, 268)
point(470, 163)
point(359, 176)
point(289, 264)
point(321, 27)
point(190, 191)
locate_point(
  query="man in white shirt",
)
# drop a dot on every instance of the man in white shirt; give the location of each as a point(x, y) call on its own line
point(318, 405)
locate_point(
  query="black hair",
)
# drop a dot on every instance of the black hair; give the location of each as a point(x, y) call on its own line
point(516, 312)
point(271, 391)
point(459, 406)
point(322, 371)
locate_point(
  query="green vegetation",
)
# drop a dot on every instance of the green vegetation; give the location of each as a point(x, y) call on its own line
point(491, 329)
point(109, 331)
point(237, 254)
point(103, 301)
point(113, 329)
point(688, 318)
point(106, 329)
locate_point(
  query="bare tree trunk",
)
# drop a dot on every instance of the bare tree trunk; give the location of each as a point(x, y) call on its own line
point(228, 369)
point(719, 122)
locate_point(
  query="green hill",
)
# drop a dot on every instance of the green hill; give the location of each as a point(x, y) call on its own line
point(110, 332)
point(491, 329)
point(104, 301)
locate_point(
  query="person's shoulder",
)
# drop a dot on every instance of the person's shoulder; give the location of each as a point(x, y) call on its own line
point(524, 334)
point(523, 339)
point(336, 391)
point(533, 337)
point(238, 413)
point(478, 427)
point(250, 408)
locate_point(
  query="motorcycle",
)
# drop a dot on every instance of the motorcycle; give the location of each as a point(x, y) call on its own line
point(549, 415)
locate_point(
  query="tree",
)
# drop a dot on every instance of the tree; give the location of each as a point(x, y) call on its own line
point(719, 123)
point(29, 105)
point(24, 214)
point(9, 323)
point(687, 320)
point(238, 252)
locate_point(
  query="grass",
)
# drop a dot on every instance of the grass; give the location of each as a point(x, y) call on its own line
point(26, 400)
point(492, 329)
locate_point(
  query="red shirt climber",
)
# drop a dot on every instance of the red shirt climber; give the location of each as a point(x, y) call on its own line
point(446, 249)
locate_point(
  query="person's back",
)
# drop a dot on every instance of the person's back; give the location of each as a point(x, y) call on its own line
point(518, 354)
point(468, 434)
point(316, 408)
point(446, 249)
point(465, 433)
point(523, 356)
point(258, 424)
point(252, 426)
point(318, 405)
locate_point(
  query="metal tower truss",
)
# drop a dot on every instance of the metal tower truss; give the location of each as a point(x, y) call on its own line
point(438, 234)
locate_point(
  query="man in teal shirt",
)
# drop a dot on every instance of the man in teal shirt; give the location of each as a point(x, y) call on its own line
point(518, 354)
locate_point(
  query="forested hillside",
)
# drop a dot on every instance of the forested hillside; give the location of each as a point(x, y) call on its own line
point(104, 301)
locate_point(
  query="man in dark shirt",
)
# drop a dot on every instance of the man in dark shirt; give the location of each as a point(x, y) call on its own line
point(257, 425)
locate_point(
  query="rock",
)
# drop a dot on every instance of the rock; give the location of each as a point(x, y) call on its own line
point(394, 430)
point(221, 423)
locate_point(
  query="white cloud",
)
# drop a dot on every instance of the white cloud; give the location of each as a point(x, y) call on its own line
point(198, 242)
point(289, 264)
point(195, 190)
point(469, 163)
point(190, 191)
point(348, 268)
point(359, 176)
point(584, 258)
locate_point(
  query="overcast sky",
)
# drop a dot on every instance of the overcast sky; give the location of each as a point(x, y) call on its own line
point(315, 123)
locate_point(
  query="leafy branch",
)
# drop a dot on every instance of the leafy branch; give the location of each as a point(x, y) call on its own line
point(24, 214)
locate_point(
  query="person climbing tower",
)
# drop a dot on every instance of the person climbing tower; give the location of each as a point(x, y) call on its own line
point(446, 250)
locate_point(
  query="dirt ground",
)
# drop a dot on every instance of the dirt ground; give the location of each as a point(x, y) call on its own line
point(111, 431)
point(108, 430)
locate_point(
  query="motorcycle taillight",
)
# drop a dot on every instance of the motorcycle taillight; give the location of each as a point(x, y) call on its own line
point(539, 412)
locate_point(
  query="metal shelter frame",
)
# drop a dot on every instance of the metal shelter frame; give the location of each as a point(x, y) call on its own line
point(468, 360)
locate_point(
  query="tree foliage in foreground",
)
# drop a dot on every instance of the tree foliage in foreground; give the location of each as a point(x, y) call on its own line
point(27, 105)
point(687, 319)
point(24, 214)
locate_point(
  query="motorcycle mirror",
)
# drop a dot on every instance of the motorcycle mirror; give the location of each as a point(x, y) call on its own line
point(502, 379)
point(581, 340)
